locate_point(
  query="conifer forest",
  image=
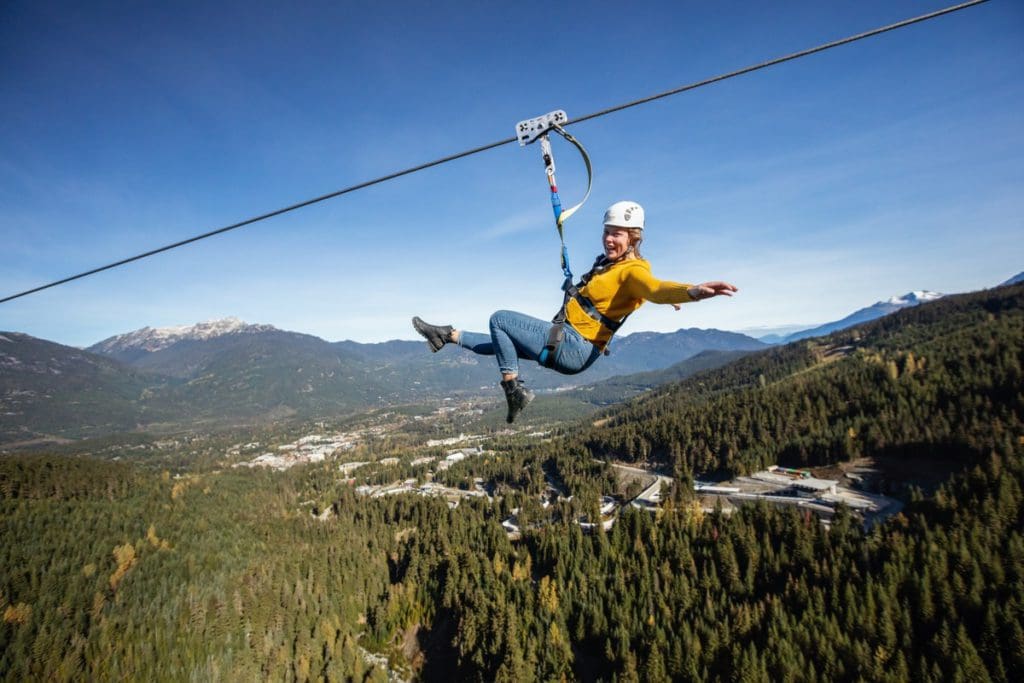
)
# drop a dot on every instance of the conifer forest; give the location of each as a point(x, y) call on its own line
point(121, 564)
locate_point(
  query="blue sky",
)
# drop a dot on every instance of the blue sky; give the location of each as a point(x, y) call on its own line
point(818, 186)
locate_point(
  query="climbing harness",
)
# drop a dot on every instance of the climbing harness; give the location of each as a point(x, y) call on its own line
point(572, 292)
point(527, 132)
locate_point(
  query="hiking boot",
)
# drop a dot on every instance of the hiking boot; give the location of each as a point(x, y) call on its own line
point(517, 395)
point(436, 336)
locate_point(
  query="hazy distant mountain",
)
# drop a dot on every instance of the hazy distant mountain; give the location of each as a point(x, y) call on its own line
point(773, 338)
point(772, 335)
point(864, 315)
point(1019, 277)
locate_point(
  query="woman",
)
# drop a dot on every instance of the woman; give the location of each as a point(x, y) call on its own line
point(618, 284)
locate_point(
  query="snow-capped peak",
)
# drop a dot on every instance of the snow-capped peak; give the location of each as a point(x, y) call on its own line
point(156, 338)
point(913, 298)
point(203, 330)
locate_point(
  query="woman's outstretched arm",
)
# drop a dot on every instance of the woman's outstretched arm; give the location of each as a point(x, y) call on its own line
point(706, 290)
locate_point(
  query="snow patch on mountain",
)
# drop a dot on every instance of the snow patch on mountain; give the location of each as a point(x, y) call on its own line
point(913, 298)
point(156, 338)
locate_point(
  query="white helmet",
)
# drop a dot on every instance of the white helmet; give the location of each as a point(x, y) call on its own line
point(625, 215)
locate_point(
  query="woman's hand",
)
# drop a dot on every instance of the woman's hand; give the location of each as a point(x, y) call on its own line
point(706, 290)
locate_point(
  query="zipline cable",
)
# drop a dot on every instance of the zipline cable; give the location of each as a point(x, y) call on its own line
point(484, 148)
point(261, 217)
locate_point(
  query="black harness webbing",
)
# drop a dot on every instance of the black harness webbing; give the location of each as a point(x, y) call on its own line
point(556, 335)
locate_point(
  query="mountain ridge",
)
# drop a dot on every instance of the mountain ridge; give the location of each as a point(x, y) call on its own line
point(1019, 277)
point(153, 339)
point(183, 355)
point(862, 315)
point(230, 371)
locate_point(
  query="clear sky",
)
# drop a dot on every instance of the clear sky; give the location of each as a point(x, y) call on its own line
point(818, 187)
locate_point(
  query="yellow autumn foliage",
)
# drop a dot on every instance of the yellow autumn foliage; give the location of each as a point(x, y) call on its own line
point(124, 555)
point(17, 614)
point(548, 595)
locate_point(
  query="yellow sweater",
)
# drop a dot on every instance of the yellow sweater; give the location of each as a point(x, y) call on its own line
point(617, 292)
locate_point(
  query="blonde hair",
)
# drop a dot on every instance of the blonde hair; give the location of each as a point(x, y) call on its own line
point(636, 236)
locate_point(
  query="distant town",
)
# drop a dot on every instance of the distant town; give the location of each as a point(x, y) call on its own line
point(780, 486)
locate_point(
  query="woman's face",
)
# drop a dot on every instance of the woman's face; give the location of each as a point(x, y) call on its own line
point(616, 242)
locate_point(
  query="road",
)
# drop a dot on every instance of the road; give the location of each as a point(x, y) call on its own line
point(650, 497)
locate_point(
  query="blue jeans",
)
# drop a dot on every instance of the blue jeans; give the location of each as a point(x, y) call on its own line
point(515, 335)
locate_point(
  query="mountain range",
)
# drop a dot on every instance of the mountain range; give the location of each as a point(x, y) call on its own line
point(872, 312)
point(227, 370)
point(226, 346)
point(863, 315)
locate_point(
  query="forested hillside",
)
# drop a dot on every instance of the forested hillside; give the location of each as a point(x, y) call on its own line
point(47, 388)
point(939, 381)
point(110, 573)
point(764, 595)
point(116, 570)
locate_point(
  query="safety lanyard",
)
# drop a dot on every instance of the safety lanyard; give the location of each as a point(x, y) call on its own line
point(537, 129)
